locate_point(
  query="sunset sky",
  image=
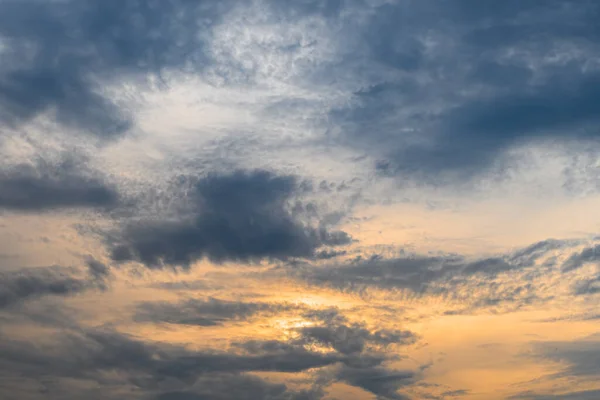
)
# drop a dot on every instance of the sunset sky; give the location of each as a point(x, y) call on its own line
point(299, 200)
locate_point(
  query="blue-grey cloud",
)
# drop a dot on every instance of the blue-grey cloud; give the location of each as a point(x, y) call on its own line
point(58, 54)
point(581, 357)
point(45, 186)
point(579, 259)
point(242, 216)
point(503, 91)
point(576, 395)
point(207, 312)
point(168, 371)
point(32, 283)
point(239, 386)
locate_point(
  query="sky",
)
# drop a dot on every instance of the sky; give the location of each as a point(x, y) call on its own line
point(299, 200)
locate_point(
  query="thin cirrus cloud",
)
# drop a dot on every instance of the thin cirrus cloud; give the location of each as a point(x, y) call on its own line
point(299, 200)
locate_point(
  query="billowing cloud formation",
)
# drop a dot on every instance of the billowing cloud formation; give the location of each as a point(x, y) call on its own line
point(241, 216)
point(45, 186)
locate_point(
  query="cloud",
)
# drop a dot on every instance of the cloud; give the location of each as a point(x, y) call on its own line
point(242, 387)
point(45, 186)
point(58, 55)
point(588, 286)
point(582, 357)
point(335, 331)
point(207, 312)
point(577, 260)
point(31, 283)
point(241, 216)
point(500, 283)
point(382, 382)
point(506, 91)
point(579, 395)
point(88, 355)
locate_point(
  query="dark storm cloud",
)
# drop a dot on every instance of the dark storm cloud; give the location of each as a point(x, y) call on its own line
point(57, 54)
point(45, 186)
point(32, 283)
point(208, 312)
point(504, 90)
point(242, 216)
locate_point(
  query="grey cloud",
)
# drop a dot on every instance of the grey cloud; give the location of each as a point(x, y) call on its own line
point(503, 283)
point(581, 357)
point(366, 351)
point(382, 382)
point(242, 387)
point(97, 269)
point(46, 186)
point(362, 351)
point(578, 395)
point(31, 283)
point(577, 260)
point(418, 272)
point(528, 256)
point(419, 124)
point(455, 393)
point(242, 216)
point(588, 286)
point(81, 355)
point(207, 312)
point(57, 55)
point(335, 331)
point(402, 273)
point(84, 355)
point(196, 285)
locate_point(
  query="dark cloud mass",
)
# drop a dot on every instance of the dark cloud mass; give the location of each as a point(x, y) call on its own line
point(57, 54)
point(242, 216)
